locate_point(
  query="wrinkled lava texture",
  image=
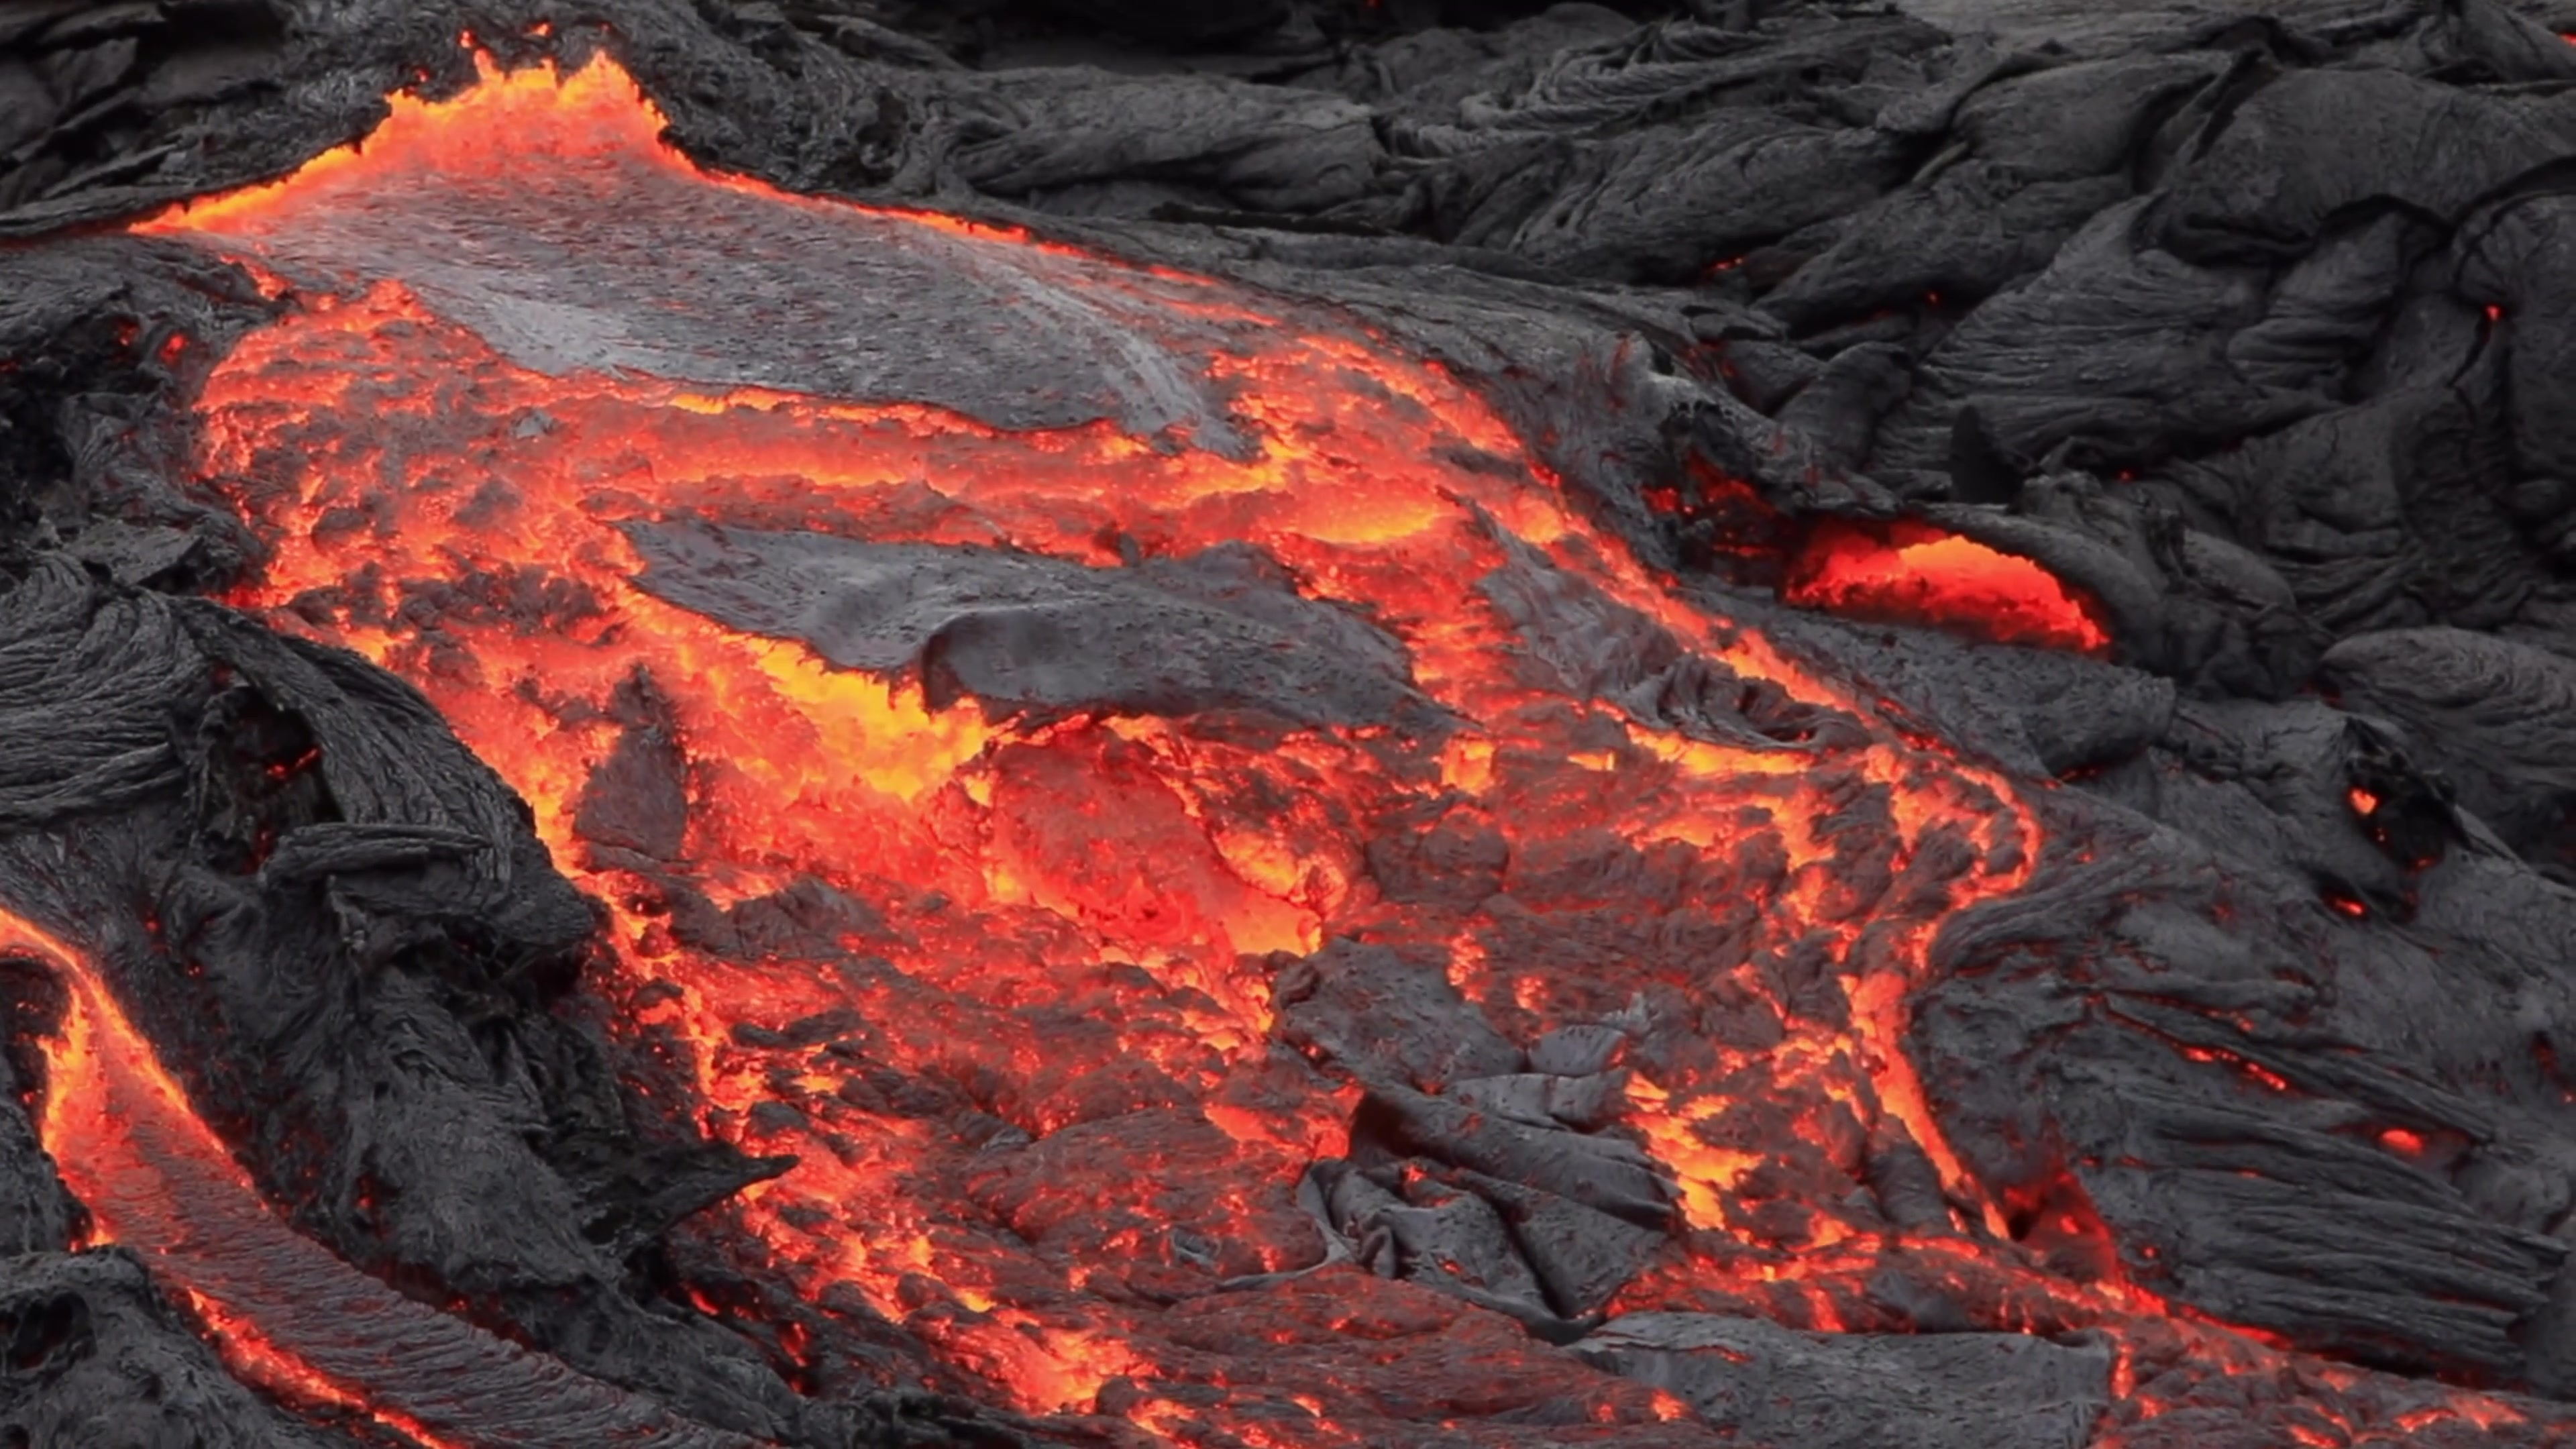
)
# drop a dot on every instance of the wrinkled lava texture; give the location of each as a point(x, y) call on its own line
point(647, 806)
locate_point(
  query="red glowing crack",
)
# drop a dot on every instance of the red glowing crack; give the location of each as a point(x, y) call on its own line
point(1907, 572)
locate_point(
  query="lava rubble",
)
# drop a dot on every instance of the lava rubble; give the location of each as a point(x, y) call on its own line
point(1294, 722)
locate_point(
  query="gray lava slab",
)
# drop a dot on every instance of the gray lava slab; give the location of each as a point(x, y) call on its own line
point(1774, 1385)
point(1219, 630)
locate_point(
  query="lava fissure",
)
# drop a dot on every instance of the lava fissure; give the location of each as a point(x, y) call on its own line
point(289, 1315)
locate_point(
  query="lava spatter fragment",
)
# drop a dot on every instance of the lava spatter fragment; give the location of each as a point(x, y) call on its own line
point(1009, 972)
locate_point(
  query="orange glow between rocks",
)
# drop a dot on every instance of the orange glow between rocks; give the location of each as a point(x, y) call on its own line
point(1069, 923)
point(1908, 572)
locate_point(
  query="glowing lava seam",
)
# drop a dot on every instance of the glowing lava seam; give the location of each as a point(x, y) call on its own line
point(287, 1315)
point(1910, 572)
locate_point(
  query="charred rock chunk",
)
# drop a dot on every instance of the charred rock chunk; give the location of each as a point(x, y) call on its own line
point(1665, 204)
point(1840, 409)
point(1856, 1391)
point(2219, 1102)
point(2069, 122)
point(1767, 374)
point(1494, 1189)
point(1952, 242)
point(2362, 1276)
point(1581, 1050)
point(1222, 630)
point(2327, 309)
point(83, 684)
point(1387, 1018)
point(2095, 717)
point(1445, 857)
point(1581, 1255)
point(1659, 70)
point(1079, 141)
point(1434, 1234)
point(94, 1356)
point(638, 798)
point(1606, 1173)
point(2494, 716)
point(1543, 1260)
point(2331, 502)
point(1584, 644)
point(2117, 342)
point(1582, 1103)
point(2314, 144)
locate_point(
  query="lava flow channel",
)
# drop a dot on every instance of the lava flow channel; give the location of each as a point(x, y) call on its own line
point(1002, 981)
point(287, 1315)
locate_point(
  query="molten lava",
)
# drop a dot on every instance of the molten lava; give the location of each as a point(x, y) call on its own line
point(1908, 572)
point(1002, 981)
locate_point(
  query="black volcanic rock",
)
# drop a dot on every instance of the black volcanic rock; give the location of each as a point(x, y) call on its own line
point(2007, 1391)
point(97, 1357)
point(2489, 713)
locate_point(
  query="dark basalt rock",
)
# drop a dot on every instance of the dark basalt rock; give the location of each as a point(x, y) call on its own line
point(2488, 713)
point(1386, 1019)
point(96, 1357)
point(2010, 1391)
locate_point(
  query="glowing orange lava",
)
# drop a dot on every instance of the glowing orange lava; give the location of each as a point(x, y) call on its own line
point(1909, 572)
point(1002, 984)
